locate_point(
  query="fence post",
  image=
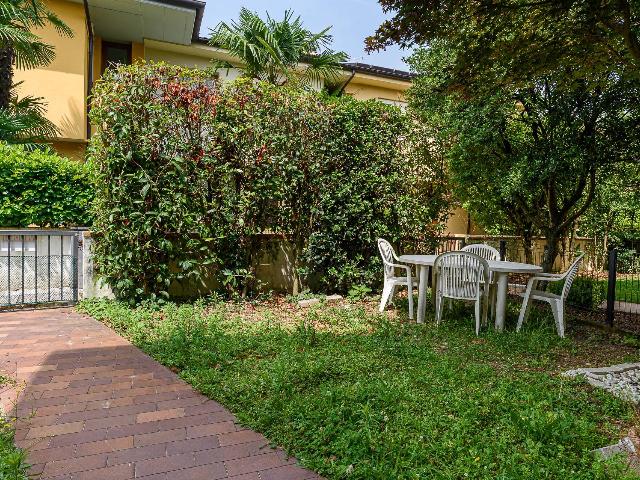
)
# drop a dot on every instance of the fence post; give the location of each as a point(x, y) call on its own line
point(503, 250)
point(611, 286)
point(74, 266)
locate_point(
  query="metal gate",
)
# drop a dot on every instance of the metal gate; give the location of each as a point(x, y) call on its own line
point(38, 266)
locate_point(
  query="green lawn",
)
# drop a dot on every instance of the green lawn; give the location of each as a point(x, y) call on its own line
point(358, 395)
point(628, 290)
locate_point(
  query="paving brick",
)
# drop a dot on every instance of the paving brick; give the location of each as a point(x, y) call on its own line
point(203, 472)
point(210, 429)
point(162, 436)
point(118, 472)
point(192, 445)
point(73, 465)
point(165, 464)
point(254, 463)
point(137, 453)
point(241, 436)
point(104, 446)
point(160, 415)
point(51, 430)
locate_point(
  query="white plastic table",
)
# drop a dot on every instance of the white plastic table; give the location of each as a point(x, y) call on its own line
point(501, 270)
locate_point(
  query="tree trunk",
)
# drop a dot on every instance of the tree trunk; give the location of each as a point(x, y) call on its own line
point(6, 76)
point(550, 254)
point(527, 246)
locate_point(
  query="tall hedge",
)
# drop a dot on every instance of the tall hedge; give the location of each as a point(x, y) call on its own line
point(191, 175)
point(43, 189)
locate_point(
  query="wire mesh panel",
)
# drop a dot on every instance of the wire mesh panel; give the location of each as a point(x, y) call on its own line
point(38, 267)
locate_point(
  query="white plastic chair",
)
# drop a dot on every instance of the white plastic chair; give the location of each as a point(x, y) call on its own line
point(556, 301)
point(488, 253)
point(460, 276)
point(482, 250)
point(391, 282)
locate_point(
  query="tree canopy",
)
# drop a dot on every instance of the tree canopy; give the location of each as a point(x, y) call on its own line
point(512, 41)
point(525, 159)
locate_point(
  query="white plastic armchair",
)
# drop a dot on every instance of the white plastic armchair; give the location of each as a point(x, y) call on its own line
point(555, 301)
point(482, 250)
point(460, 276)
point(488, 253)
point(391, 282)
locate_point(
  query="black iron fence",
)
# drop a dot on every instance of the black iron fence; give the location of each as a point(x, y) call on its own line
point(38, 266)
point(606, 290)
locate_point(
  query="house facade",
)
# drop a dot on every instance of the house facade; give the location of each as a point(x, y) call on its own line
point(123, 31)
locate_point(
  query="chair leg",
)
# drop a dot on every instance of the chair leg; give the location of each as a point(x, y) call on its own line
point(387, 293)
point(524, 310)
point(438, 308)
point(479, 302)
point(486, 300)
point(492, 300)
point(410, 293)
point(557, 307)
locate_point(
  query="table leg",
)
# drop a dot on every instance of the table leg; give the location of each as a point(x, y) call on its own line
point(422, 292)
point(501, 299)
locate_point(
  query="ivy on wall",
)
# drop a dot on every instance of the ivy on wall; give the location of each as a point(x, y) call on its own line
point(190, 174)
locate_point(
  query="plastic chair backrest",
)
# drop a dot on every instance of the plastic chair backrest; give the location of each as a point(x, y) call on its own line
point(460, 274)
point(482, 250)
point(388, 256)
point(570, 276)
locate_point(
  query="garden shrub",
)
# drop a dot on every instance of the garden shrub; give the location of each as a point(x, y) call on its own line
point(379, 180)
point(585, 292)
point(191, 175)
point(42, 188)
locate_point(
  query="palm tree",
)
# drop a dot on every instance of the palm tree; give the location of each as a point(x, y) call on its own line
point(278, 51)
point(22, 120)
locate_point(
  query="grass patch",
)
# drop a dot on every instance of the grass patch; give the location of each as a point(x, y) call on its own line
point(354, 394)
point(13, 464)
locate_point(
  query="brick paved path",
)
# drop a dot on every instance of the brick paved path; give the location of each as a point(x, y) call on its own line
point(100, 408)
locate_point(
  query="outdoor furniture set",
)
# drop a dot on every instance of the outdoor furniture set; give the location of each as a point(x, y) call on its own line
point(476, 273)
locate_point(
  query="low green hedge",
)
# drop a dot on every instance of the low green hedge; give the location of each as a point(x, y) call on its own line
point(43, 189)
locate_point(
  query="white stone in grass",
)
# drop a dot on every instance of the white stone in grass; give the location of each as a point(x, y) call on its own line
point(622, 380)
point(623, 446)
point(333, 298)
point(308, 302)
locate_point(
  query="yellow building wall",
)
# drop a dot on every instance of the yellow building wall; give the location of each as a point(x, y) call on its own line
point(363, 91)
point(63, 82)
point(174, 58)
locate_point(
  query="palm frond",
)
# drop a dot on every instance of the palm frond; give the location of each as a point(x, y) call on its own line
point(24, 122)
point(273, 50)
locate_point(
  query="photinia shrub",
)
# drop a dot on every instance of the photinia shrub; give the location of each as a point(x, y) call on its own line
point(191, 175)
point(43, 189)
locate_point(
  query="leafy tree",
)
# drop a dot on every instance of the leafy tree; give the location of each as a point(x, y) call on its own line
point(527, 158)
point(613, 219)
point(511, 41)
point(278, 51)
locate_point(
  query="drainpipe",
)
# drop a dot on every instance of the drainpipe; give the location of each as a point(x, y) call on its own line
point(90, 65)
point(353, 74)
